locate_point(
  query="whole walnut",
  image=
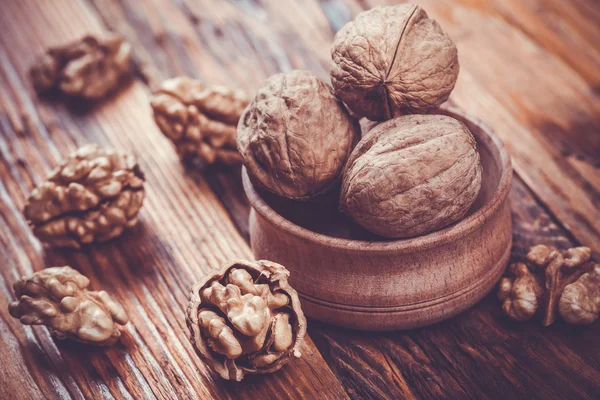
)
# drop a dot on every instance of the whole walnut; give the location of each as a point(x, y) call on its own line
point(552, 281)
point(246, 319)
point(295, 136)
point(58, 298)
point(392, 61)
point(89, 68)
point(201, 122)
point(412, 175)
point(91, 197)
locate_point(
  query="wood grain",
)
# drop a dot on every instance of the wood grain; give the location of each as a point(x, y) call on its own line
point(184, 232)
point(529, 69)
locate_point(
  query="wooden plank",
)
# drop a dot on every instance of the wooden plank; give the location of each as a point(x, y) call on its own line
point(475, 355)
point(184, 232)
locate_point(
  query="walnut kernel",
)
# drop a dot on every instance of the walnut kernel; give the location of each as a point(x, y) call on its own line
point(553, 281)
point(91, 197)
point(201, 122)
point(246, 319)
point(58, 298)
point(89, 68)
point(580, 301)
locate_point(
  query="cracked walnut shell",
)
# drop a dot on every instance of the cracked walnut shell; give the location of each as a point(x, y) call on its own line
point(91, 197)
point(412, 175)
point(201, 122)
point(246, 319)
point(58, 298)
point(391, 61)
point(88, 68)
point(295, 136)
point(552, 281)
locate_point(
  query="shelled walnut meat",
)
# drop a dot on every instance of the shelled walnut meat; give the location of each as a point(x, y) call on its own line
point(295, 136)
point(392, 61)
point(412, 175)
point(58, 298)
point(201, 122)
point(91, 197)
point(88, 68)
point(552, 281)
point(246, 319)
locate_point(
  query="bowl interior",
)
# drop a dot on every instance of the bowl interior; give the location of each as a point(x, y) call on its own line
point(323, 217)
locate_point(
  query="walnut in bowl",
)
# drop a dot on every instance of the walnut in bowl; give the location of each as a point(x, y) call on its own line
point(296, 136)
point(391, 61)
point(350, 277)
point(412, 175)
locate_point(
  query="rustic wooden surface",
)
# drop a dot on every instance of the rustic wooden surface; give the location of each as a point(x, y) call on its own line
point(530, 69)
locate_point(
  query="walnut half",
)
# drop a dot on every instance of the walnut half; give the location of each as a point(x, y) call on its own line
point(246, 319)
point(58, 298)
point(89, 68)
point(91, 197)
point(552, 281)
point(201, 122)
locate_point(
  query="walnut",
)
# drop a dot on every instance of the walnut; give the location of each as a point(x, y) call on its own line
point(295, 136)
point(391, 61)
point(552, 278)
point(201, 122)
point(89, 68)
point(246, 319)
point(520, 292)
point(411, 175)
point(58, 298)
point(92, 196)
point(580, 301)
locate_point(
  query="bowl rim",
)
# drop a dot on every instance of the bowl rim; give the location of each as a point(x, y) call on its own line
point(399, 246)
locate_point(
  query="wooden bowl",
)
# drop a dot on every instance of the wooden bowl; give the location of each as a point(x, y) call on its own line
point(351, 278)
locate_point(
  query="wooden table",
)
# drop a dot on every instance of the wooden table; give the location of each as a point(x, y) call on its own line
point(531, 69)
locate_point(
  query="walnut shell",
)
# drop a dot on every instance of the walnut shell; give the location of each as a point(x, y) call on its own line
point(91, 197)
point(412, 175)
point(58, 298)
point(295, 136)
point(201, 122)
point(246, 319)
point(89, 68)
point(392, 61)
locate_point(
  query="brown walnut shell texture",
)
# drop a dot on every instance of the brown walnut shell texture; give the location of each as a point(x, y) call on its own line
point(246, 319)
point(392, 61)
point(58, 298)
point(412, 175)
point(295, 136)
point(89, 68)
point(201, 122)
point(91, 197)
